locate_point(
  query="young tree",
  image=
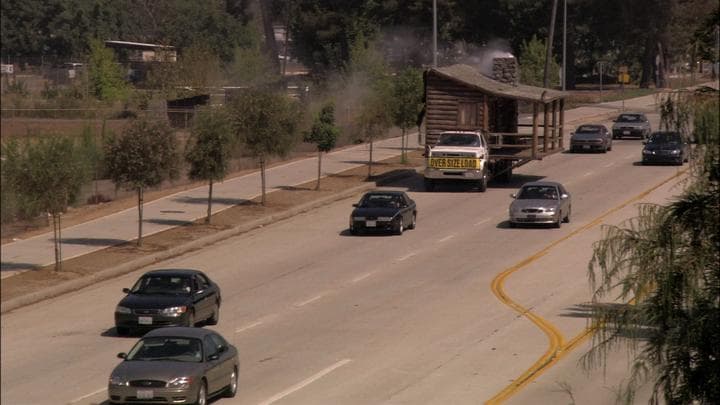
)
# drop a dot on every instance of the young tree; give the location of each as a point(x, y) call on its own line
point(532, 63)
point(323, 134)
point(50, 173)
point(666, 260)
point(209, 149)
point(143, 156)
point(107, 80)
point(408, 99)
point(266, 124)
point(374, 119)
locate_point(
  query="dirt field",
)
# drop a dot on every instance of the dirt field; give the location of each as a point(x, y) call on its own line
point(36, 280)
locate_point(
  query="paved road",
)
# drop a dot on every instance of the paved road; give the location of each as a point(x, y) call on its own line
point(320, 317)
point(190, 205)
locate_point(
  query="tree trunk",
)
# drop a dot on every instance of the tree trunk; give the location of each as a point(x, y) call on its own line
point(570, 71)
point(262, 179)
point(56, 242)
point(648, 61)
point(661, 82)
point(370, 162)
point(270, 43)
point(140, 215)
point(209, 209)
point(317, 186)
point(403, 143)
point(549, 47)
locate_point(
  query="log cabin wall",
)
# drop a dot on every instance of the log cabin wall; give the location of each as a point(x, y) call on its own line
point(451, 106)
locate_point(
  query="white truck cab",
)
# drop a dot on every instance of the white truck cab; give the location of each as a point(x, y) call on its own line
point(458, 155)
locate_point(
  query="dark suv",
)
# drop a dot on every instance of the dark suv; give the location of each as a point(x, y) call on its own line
point(666, 147)
point(631, 124)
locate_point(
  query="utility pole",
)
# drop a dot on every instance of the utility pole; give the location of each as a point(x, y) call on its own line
point(434, 47)
point(548, 54)
point(601, 63)
point(564, 61)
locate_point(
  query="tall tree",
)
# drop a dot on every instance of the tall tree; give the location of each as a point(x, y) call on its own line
point(408, 95)
point(323, 134)
point(209, 149)
point(666, 260)
point(266, 123)
point(142, 156)
point(49, 172)
point(107, 80)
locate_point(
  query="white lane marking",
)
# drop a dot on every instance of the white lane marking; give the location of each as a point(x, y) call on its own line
point(407, 256)
point(445, 239)
point(248, 326)
point(609, 164)
point(362, 277)
point(88, 395)
point(482, 221)
point(587, 174)
point(315, 298)
point(304, 382)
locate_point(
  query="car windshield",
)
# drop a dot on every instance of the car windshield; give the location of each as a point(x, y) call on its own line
point(380, 201)
point(588, 129)
point(166, 348)
point(162, 284)
point(664, 138)
point(459, 140)
point(538, 193)
point(629, 118)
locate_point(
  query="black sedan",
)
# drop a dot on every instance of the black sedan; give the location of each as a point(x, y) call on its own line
point(173, 297)
point(666, 147)
point(390, 211)
point(591, 138)
point(176, 366)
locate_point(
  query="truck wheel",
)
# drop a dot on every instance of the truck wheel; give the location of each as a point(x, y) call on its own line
point(482, 184)
point(429, 185)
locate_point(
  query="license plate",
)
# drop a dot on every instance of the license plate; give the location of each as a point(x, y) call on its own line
point(586, 146)
point(145, 394)
point(455, 163)
point(626, 132)
point(371, 224)
point(145, 320)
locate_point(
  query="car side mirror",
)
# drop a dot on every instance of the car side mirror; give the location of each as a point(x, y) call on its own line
point(513, 195)
point(222, 349)
point(122, 355)
point(564, 196)
point(126, 290)
point(644, 142)
point(355, 205)
point(213, 357)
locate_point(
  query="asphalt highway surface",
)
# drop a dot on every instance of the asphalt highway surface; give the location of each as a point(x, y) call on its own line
point(322, 317)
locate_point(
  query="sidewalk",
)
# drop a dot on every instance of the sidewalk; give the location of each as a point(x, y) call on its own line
point(187, 206)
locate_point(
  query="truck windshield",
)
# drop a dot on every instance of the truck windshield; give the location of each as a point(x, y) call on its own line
point(459, 140)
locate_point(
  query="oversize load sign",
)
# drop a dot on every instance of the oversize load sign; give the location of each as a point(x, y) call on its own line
point(454, 163)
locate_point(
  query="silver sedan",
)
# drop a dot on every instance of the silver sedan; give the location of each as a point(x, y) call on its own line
point(541, 202)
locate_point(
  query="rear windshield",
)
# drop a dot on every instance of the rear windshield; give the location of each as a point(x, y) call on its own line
point(380, 201)
point(459, 140)
point(588, 128)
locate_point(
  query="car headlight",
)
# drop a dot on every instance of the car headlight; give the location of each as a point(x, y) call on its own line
point(551, 209)
point(174, 311)
point(117, 381)
point(180, 382)
point(675, 152)
point(122, 310)
point(647, 152)
point(385, 219)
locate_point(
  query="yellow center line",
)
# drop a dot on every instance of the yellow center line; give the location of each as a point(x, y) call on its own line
point(558, 348)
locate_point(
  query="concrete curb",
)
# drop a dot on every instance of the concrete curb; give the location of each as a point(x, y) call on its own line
point(136, 264)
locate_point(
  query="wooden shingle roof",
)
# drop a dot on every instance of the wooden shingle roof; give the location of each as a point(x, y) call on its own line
point(470, 76)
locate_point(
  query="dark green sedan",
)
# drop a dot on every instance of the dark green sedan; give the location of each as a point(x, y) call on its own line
point(176, 365)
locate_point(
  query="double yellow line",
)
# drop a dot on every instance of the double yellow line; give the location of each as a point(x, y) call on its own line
point(558, 348)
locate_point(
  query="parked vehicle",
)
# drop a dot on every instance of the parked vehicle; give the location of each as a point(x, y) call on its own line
point(392, 211)
point(631, 124)
point(541, 202)
point(176, 366)
point(593, 137)
point(172, 297)
point(666, 147)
